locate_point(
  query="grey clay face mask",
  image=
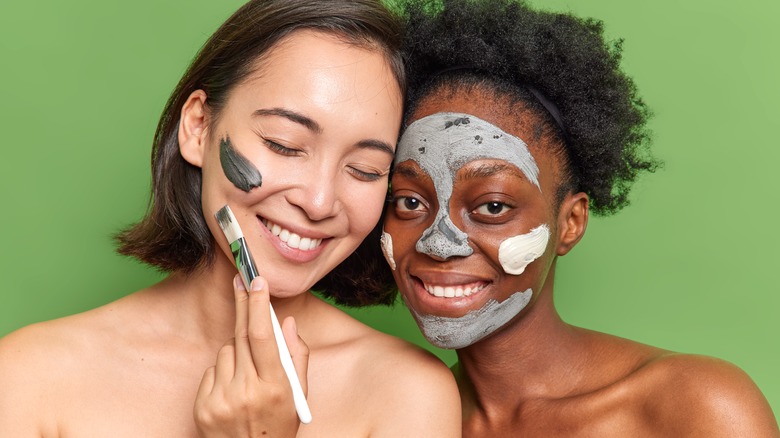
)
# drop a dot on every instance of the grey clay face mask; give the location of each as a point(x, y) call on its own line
point(441, 144)
point(457, 333)
point(240, 171)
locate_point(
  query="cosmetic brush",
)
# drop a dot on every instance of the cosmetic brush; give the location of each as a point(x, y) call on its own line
point(246, 267)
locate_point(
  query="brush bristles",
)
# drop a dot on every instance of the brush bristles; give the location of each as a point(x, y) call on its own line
point(229, 224)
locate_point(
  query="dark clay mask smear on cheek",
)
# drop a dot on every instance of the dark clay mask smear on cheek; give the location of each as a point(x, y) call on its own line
point(237, 168)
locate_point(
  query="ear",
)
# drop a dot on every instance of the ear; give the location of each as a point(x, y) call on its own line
point(572, 221)
point(192, 128)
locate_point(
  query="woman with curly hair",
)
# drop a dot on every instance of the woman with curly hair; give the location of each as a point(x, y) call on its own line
point(519, 124)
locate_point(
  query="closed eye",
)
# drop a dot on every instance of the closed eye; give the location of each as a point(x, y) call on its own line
point(279, 149)
point(364, 175)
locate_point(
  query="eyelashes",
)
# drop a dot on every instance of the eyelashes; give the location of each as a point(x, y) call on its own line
point(407, 203)
point(359, 174)
point(279, 149)
point(492, 208)
point(366, 176)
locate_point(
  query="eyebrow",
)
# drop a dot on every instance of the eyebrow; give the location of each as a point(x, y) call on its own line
point(488, 170)
point(409, 172)
point(314, 127)
point(377, 145)
point(298, 118)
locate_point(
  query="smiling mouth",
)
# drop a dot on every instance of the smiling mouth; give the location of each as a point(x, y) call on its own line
point(291, 239)
point(454, 291)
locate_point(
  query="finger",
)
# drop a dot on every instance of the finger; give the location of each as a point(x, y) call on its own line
point(206, 383)
point(298, 350)
point(204, 391)
point(262, 342)
point(226, 364)
point(244, 365)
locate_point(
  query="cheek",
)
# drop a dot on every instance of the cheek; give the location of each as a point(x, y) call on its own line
point(400, 240)
point(515, 253)
point(387, 249)
point(215, 188)
point(364, 203)
point(486, 242)
point(237, 168)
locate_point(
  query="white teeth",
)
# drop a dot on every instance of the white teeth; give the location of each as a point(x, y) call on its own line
point(291, 239)
point(452, 291)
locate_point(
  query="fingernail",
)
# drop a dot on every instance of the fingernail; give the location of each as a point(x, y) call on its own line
point(238, 283)
point(257, 284)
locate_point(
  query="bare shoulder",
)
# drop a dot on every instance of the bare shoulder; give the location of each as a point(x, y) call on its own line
point(48, 350)
point(404, 365)
point(33, 354)
point(44, 364)
point(406, 380)
point(703, 396)
point(46, 346)
point(415, 384)
point(34, 362)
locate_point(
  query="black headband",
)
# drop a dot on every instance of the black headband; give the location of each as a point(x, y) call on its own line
point(548, 105)
point(551, 108)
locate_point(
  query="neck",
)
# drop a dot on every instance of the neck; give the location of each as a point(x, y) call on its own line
point(203, 303)
point(535, 357)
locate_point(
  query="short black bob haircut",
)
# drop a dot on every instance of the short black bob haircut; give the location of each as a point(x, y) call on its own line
point(173, 235)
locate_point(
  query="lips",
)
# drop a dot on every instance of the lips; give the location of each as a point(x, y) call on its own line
point(449, 283)
point(446, 293)
point(454, 291)
point(291, 239)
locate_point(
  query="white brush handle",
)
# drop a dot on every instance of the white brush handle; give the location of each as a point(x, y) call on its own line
point(301, 405)
point(246, 266)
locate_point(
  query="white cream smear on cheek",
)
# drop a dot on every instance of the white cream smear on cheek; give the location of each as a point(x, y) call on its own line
point(515, 253)
point(387, 249)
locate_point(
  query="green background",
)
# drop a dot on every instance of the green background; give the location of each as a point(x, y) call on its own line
point(690, 266)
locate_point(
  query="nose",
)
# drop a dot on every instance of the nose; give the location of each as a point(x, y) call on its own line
point(317, 196)
point(443, 240)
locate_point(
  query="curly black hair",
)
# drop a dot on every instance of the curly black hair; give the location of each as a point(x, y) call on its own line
point(531, 56)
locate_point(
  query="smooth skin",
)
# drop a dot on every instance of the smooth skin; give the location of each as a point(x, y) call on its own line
point(537, 375)
point(193, 355)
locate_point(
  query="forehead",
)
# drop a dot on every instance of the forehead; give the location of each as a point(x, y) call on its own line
point(321, 69)
point(448, 140)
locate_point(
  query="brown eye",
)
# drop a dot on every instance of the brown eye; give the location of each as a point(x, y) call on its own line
point(492, 208)
point(407, 203)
